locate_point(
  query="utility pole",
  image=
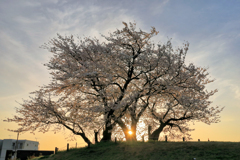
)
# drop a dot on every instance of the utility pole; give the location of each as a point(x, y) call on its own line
point(15, 154)
point(38, 142)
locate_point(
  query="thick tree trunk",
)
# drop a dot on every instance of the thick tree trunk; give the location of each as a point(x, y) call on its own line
point(134, 130)
point(155, 134)
point(124, 128)
point(129, 137)
point(125, 131)
point(107, 133)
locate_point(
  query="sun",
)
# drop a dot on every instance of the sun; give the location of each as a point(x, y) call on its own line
point(130, 132)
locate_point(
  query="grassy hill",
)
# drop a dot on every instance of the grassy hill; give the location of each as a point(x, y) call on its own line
point(153, 151)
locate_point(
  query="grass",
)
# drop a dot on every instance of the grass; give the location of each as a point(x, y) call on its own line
point(152, 151)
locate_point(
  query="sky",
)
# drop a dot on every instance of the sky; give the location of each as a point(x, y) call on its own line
point(211, 27)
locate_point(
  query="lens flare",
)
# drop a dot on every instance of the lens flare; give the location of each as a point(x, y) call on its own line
point(130, 132)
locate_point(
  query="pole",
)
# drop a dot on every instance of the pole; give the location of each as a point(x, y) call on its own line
point(149, 132)
point(96, 136)
point(68, 147)
point(15, 154)
point(56, 150)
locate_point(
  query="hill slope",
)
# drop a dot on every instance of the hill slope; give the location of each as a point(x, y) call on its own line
point(153, 150)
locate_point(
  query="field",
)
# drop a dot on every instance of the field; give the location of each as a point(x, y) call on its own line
point(152, 151)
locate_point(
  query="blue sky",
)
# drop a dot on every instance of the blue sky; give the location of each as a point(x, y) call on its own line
point(212, 27)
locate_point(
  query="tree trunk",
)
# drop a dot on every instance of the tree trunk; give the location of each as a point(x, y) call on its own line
point(156, 133)
point(125, 131)
point(133, 136)
point(134, 130)
point(124, 128)
point(107, 133)
point(129, 137)
point(85, 138)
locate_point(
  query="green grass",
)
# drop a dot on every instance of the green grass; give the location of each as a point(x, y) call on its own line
point(153, 151)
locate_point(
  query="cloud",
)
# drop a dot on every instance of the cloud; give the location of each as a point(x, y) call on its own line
point(157, 7)
point(32, 23)
point(236, 90)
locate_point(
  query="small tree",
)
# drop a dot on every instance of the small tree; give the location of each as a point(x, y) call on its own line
point(99, 86)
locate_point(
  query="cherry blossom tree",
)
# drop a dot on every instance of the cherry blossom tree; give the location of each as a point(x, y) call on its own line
point(98, 86)
point(173, 116)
